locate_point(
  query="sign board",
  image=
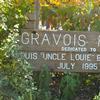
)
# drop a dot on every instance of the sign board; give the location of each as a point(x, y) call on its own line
point(61, 50)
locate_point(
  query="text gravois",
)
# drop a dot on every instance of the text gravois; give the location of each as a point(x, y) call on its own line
point(61, 50)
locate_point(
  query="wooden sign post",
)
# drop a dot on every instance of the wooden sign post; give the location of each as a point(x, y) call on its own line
point(61, 50)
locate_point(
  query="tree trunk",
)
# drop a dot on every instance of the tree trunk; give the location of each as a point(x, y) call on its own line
point(36, 13)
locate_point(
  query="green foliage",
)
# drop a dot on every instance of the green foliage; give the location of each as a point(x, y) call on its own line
point(73, 17)
point(68, 86)
point(43, 92)
point(15, 73)
point(12, 16)
point(97, 97)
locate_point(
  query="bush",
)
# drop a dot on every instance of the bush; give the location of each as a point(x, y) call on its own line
point(15, 73)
